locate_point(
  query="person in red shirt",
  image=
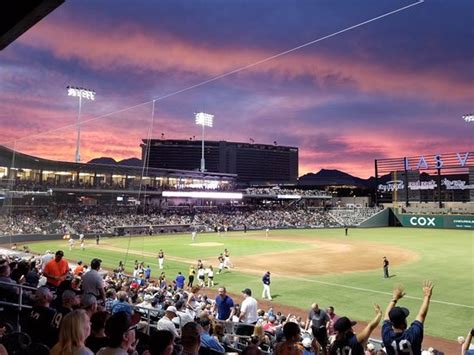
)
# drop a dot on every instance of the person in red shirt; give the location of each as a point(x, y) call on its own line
point(56, 270)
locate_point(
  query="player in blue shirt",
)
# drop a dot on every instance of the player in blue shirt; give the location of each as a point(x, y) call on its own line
point(397, 337)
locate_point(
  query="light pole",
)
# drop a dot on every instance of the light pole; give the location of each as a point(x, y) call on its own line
point(80, 93)
point(203, 119)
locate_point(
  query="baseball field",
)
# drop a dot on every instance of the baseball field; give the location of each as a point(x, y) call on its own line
point(318, 265)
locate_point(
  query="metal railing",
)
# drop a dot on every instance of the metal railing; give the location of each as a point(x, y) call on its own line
point(19, 305)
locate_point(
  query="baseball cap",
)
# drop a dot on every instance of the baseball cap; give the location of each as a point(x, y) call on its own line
point(68, 294)
point(343, 324)
point(306, 342)
point(172, 309)
point(59, 253)
point(89, 301)
point(247, 291)
point(398, 314)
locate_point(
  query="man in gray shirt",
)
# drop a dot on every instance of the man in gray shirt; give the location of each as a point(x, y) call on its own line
point(93, 283)
point(318, 320)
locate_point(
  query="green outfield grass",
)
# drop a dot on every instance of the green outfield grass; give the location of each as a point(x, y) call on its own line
point(445, 256)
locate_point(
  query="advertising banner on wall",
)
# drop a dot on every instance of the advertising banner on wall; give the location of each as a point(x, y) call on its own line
point(437, 221)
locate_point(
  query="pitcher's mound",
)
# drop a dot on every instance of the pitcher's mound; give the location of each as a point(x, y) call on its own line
point(207, 244)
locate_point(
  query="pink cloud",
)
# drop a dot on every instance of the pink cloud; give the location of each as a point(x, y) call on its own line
point(123, 48)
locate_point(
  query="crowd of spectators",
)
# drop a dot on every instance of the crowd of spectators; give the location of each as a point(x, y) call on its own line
point(70, 311)
point(107, 219)
point(353, 216)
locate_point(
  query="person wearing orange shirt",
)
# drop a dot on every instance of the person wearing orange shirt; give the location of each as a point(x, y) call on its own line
point(79, 270)
point(56, 270)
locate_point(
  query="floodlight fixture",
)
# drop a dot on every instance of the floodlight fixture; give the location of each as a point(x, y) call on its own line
point(204, 120)
point(468, 118)
point(80, 93)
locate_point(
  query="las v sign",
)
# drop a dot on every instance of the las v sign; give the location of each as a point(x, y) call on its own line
point(435, 162)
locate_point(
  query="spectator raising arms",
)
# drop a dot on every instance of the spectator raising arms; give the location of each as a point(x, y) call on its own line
point(396, 335)
point(347, 341)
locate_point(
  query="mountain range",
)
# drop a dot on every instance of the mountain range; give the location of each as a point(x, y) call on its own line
point(321, 178)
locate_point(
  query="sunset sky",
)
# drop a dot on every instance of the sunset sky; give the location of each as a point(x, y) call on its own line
point(397, 86)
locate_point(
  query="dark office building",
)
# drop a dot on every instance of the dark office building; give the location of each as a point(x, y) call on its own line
point(253, 163)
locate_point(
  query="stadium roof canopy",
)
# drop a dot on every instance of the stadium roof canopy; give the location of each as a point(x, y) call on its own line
point(18, 16)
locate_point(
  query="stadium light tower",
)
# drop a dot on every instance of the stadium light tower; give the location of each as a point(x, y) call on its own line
point(81, 93)
point(203, 119)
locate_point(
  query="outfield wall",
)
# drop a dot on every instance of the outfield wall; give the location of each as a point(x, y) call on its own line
point(436, 221)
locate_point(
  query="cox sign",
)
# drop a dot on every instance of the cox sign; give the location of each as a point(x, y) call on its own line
point(423, 221)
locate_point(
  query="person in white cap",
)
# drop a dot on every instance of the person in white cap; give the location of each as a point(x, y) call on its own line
point(166, 323)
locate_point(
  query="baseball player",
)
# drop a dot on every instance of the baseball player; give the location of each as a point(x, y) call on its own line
point(161, 259)
point(266, 286)
point(227, 262)
point(385, 267)
point(71, 243)
point(193, 236)
point(221, 263)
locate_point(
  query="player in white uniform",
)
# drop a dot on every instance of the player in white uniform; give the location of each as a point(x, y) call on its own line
point(227, 262)
point(71, 243)
point(161, 259)
point(193, 236)
point(210, 276)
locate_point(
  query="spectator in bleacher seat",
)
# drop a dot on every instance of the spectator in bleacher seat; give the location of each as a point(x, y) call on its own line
point(333, 317)
point(396, 335)
point(93, 283)
point(318, 319)
point(46, 258)
point(70, 301)
point(166, 322)
point(120, 332)
point(207, 341)
point(121, 304)
point(97, 339)
point(248, 309)
point(183, 315)
point(75, 328)
point(89, 304)
point(346, 338)
point(32, 277)
point(291, 344)
point(7, 293)
point(224, 305)
point(79, 269)
point(56, 270)
point(40, 323)
point(191, 338)
point(161, 343)
point(111, 297)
